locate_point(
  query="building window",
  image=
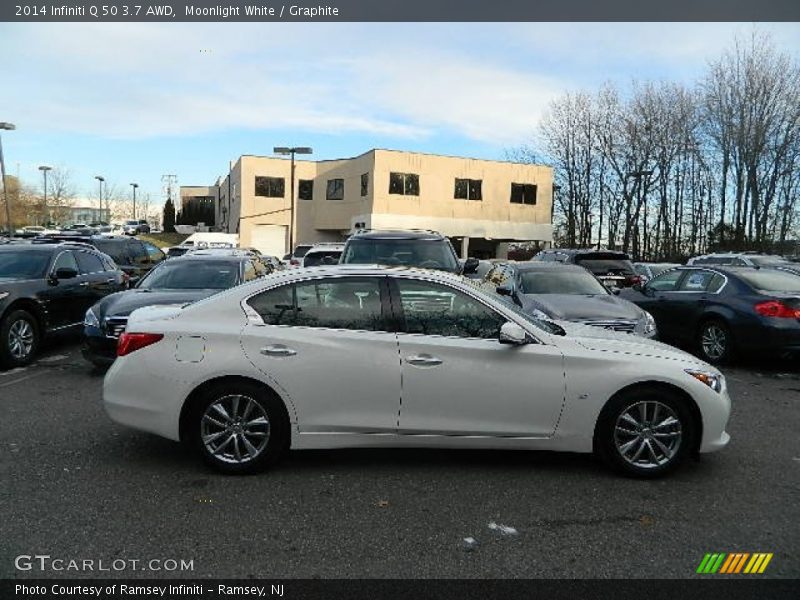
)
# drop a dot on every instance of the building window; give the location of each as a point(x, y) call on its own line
point(404, 184)
point(523, 193)
point(468, 189)
point(365, 184)
point(270, 187)
point(335, 189)
point(305, 189)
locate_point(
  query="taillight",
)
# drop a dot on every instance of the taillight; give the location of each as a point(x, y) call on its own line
point(633, 280)
point(131, 342)
point(294, 261)
point(776, 308)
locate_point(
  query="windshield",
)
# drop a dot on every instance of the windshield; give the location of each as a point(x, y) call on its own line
point(23, 264)
point(428, 254)
point(561, 282)
point(772, 281)
point(192, 275)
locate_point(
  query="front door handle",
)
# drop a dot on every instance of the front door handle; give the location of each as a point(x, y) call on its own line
point(423, 360)
point(83, 283)
point(111, 280)
point(277, 350)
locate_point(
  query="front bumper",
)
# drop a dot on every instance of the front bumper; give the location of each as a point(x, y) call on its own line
point(97, 348)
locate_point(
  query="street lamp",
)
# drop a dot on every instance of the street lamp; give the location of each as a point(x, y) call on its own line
point(291, 151)
point(100, 181)
point(44, 169)
point(134, 186)
point(5, 127)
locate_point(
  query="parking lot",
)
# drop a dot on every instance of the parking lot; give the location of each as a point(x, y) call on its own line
point(76, 486)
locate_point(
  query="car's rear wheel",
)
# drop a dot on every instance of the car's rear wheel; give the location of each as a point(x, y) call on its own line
point(239, 428)
point(715, 342)
point(19, 339)
point(645, 432)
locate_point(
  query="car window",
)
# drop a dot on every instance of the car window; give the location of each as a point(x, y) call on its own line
point(429, 254)
point(324, 257)
point(716, 283)
point(558, 281)
point(696, 281)
point(23, 264)
point(155, 254)
point(432, 309)
point(249, 271)
point(89, 263)
point(115, 249)
point(772, 281)
point(66, 260)
point(346, 303)
point(191, 275)
point(138, 254)
point(666, 282)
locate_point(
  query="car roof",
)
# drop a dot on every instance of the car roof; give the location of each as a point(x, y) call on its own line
point(229, 254)
point(585, 251)
point(398, 234)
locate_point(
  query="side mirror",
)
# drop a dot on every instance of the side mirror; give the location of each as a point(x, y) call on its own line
point(470, 266)
point(511, 333)
point(66, 273)
point(615, 291)
point(507, 289)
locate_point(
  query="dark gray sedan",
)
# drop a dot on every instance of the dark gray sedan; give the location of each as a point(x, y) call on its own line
point(569, 293)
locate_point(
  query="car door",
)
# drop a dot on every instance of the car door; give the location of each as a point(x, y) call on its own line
point(99, 282)
point(655, 297)
point(696, 290)
point(66, 298)
point(328, 342)
point(458, 379)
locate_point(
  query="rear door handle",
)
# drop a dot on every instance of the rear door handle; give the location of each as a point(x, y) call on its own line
point(83, 283)
point(423, 360)
point(277, 350)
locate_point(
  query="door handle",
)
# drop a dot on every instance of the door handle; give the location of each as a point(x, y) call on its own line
point(83, 283)
point(277, 350)
point(423, 360)
point(111, 280)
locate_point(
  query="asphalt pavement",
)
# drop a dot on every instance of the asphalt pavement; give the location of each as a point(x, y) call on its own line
point(76, 487)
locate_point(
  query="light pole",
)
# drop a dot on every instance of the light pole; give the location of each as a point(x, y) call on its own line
point(134, 186)
point(100, 181)
point(5, 127)
point(44, 169)
point(291, 151)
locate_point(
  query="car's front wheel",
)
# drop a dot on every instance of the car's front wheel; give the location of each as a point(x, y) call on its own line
point(239, 428)
point(19, 339)
point(645, 432)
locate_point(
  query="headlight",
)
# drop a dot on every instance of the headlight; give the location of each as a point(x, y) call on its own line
point(4, 295)
point(538, 314)
point(91, 320)
point(646, 325)
point(710, 379)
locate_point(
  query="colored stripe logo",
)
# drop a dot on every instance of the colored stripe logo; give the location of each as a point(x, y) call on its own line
point(734, 563)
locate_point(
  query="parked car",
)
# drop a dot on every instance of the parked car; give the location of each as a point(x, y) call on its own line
point(613, 268)
point(547, 290)
point(323, 254)
point(135, 227)
point(738, 259)
point(647, 271)
point(414, 248)
point(176, 251)
point(480, 272)
point(189, 278)
point(135, 257)
point(719, 311)
point(321, 359)
point(295, 258)
point(46, 289)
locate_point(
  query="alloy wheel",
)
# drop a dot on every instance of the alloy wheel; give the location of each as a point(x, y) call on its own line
point(20, 339)
point(648, 434)
point(235, 429)
point(714, 341)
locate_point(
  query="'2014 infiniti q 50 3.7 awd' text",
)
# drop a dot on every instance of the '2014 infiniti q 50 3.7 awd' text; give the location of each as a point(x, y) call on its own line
point(354, 355)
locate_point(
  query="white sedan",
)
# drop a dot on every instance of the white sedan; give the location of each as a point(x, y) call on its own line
point(364, 356)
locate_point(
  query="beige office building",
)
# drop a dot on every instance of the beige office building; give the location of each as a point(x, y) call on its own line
point(481, 205)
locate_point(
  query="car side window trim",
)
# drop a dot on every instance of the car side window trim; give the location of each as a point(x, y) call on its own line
point(713, 273)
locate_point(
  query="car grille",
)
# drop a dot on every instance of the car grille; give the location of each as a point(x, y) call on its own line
point(625, 326)
point(115, 326)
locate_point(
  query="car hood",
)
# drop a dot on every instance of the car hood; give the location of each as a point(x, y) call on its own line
point(573, 307)
point(124, 303)
point(603, 340)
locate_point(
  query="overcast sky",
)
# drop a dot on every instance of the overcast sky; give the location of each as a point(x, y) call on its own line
point(134, 101)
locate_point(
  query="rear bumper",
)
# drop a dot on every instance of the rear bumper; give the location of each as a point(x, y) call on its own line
point(774, 336)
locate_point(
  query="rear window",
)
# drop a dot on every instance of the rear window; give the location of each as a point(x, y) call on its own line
point(300, 251)
point(428, 254)
point(328, 257)
point(602, 264)
point(115, 250)
point(764, 261)
point(772, 281)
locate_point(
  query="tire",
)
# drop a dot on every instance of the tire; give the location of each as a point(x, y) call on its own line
point(20, 338)
point(219, 432)
point(645, 444)
point(715, 342)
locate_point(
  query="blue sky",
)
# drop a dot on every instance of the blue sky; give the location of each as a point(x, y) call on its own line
point(134, 101)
